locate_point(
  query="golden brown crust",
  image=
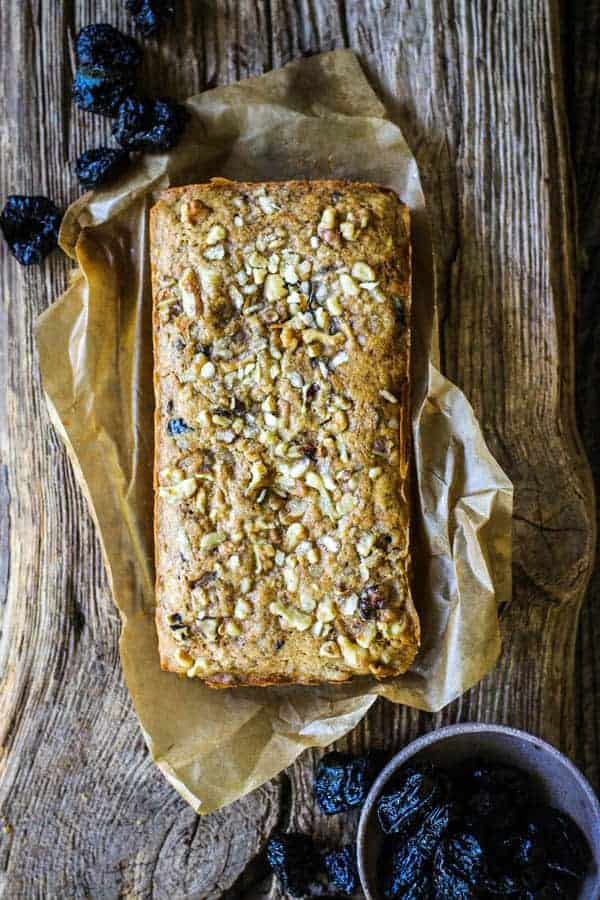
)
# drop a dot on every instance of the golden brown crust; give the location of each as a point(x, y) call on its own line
point(281, 343)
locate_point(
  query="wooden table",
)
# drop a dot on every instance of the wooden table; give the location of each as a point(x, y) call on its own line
point(480, 89)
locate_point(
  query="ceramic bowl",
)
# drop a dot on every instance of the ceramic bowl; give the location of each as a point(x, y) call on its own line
point(557, 780)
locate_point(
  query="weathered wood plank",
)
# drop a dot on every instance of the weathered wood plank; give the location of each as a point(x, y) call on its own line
point(478, 88)
point(582, 33)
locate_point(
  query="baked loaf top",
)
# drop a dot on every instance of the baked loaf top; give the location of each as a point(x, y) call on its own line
point(281, 336)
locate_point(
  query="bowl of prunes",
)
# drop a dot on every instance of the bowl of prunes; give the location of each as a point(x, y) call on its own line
point(479, 812)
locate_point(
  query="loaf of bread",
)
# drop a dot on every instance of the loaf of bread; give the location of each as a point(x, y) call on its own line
point(281, 334)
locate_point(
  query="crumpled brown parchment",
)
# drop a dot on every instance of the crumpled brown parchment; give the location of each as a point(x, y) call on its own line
point(316, 118)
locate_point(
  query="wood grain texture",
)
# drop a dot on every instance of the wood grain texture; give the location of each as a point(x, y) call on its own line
point(582, 33)
point(478, 89)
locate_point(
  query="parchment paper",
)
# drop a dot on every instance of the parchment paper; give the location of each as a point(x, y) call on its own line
point(315, 118)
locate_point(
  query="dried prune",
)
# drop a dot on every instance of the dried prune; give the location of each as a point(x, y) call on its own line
point(567, 851)
point(341, 868)
point(399, 312)
point(458, 866)
point(342, 781)
point(486, 838)
point(178, 426)
point(475, 773)
point(370, 600)
point(102, 45)
point(491, 794)
point(295, 861)
point(420, 890)
point(410, 797)
point(402, 866)
point(100, 165)
point(30, 227)
point(501, 886)
point(101, 90)
point(151, 124)
point(525, 849)
point(555, 888)
point(151, 15)
point(431, 828)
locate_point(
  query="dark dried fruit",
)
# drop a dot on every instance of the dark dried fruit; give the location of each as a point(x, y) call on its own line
point(476, 773)
point(403, 866)
point(30, 227)
point(410, 797)
point(151, 15)
point(151, 124)
point(101, 90)
point(341, 868)
point(309, 450)
point(430, 829)
point(204, 580)
point(380, 446)
point(458, 866)
point(295, 860)
point(501, 886)
point(342, 781)
point(492, 794)
point(100, 165)
point(487, 841)
point(370, 600)
point(178, 426)
point(568, 852)
point(525, 849)
point(399, 312)
point(558, 887)
point(102, 45)
point(420, 890)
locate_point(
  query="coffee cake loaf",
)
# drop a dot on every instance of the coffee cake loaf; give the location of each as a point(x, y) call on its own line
point(281, 333)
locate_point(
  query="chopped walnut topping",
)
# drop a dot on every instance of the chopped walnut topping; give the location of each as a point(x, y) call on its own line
point(293, 617)
point(281, 497)
point(190, 293)
point(354, 656)
point(362, 272)
point(328, 218)
point(329, 649)
point(348, 285)
point(334, 306)
point(216, 234)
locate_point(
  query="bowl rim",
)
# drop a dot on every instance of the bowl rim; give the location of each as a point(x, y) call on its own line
point(433, 737)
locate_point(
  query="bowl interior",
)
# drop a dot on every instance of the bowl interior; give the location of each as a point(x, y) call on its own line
point(554, 782)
